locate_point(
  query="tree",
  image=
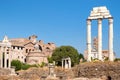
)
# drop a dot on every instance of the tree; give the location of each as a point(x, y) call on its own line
point(64, 52)
point(81, 56)
point(17, 64)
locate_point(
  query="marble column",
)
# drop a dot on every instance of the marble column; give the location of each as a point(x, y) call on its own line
point(9, 66)
point(100, 39)
point(66, 65)
point(89, 39)
point(69, 63)
point(1, 57)
point(111, 53)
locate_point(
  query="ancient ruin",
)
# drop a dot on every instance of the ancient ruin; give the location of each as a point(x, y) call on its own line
point(26, 50)
point(100, 13)
point(66, 63)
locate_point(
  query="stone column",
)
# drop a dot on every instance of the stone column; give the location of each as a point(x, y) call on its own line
point(111, 54)
point(9, 66)
point(1, 54)
point(100, 39)
point(69, 63)
point(66, 64)
point(89, 39)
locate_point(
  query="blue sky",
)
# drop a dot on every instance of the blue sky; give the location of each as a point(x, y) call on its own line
point(60, 21)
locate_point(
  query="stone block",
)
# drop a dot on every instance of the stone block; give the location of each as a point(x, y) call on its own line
point(104, 14)
point(109, 16)
point(99, 12)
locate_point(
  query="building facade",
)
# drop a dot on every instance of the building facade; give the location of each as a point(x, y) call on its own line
point(27, 50)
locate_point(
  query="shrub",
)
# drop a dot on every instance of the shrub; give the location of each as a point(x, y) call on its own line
point(25, 66)
point(17, 64)
point(50, 60)
point(42, 64)
point(117, 59)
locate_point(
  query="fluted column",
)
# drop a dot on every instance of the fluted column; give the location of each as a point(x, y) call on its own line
point(111, 54)
point(100, 39)
point(89, 39)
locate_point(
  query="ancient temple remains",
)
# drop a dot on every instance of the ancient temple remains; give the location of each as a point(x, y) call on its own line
point(100, 13)
point(66, 63)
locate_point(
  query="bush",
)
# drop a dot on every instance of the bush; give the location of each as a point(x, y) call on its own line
point(50, 60)
point(117, 59)
point(25, 66)
point(42, 64)
point(106, 59)
point(17, 64)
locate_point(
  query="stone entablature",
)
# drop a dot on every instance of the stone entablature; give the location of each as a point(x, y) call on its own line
point(100, 12)
point(24, 49)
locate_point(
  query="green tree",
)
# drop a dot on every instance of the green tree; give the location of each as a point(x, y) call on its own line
point(17, 64)
point(81, 56)
point(64, 52)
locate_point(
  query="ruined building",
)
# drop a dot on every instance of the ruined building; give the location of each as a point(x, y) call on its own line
point(27, 50)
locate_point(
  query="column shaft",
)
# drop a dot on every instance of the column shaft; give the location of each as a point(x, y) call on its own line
point(89, 39)
point(1, 54)
point(100, 39)
point(69, 63)
point(9, 66)
point(111, 53)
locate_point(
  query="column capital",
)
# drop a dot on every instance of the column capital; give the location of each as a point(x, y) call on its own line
point(88, 21)
point(100, 21)
point(110, 20)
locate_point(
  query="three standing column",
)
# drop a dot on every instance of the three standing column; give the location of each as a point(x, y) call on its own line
point(89, 39)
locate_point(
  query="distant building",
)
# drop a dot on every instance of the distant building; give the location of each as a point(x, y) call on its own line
point(94, 51)
point(27, 50)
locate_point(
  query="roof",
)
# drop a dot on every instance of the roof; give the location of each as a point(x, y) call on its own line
point(19, 41)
